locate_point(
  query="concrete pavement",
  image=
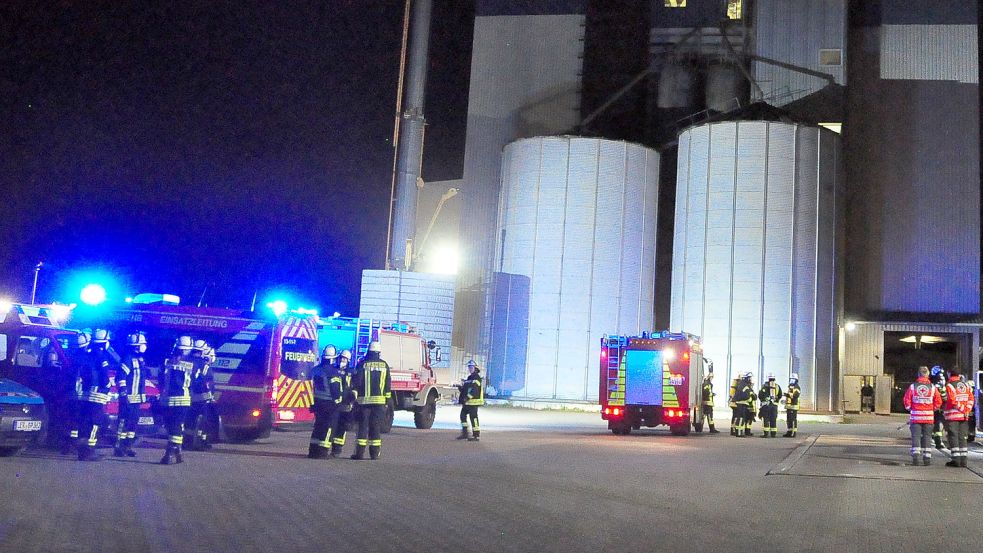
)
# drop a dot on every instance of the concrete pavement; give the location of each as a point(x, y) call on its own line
point(538, 481)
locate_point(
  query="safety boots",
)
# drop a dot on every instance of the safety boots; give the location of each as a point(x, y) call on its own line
point(172, 456)
point(916, 460)
point(374, 452)
point(315, 451)
point(713, 430)
point(87, 453)
point(359, 453)
point(124, 448)
point(463, 435)
point(474, 437)
point(954, 462)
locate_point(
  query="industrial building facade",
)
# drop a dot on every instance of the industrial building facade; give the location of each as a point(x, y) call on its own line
point(817, 204)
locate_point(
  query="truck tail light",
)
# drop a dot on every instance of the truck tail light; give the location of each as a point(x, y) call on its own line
point(616, 411)
point(255, 413)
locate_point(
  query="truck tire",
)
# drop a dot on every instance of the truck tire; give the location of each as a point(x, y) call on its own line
point(679, 429)
point(621, 429)
point(387, 421)
point(424, 416)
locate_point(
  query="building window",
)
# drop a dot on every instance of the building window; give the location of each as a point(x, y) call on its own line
point(675, 3)
point(734, 9)
point(830, 57)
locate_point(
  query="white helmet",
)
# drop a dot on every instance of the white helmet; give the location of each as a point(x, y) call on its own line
point(83, 340)
point(210, 354)
point(200, 348)
point(375, 346)
point(771, 376)
point(137, 341)
point(793, 376)
point(184, 344)
point(347, 354)
point(748, 375)
point(329, 352)
point(100, 336)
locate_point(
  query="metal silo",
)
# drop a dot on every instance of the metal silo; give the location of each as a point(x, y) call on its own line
point(577, 229)
point(756, 252)
point(678, 86)
point(726, 86)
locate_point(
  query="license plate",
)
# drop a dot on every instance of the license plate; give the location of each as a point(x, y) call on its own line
point(27, 426)
point(145, 421)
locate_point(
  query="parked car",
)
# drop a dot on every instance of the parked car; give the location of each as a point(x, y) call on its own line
point(23, 418)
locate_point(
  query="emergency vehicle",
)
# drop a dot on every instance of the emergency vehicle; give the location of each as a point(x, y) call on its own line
point(650, 380)
point(34, 351)
point(261, 369)
point(414, 386)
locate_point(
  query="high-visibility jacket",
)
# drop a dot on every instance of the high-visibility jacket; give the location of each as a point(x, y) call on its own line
point(959, 400)
point(95, 377)
point(707, 393)
point(329, 383)
point(202, 382)
point(474, 390)
point(131, 380)
point(372, 383)
point(922, 399)
point(744, 395)
point(792, 397)
point(178, 372)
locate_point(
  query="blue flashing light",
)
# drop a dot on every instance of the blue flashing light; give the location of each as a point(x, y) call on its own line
point(93, 294)
point(278, 307)
point(128, 300)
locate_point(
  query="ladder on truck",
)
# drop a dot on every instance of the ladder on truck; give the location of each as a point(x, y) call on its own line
point(614, 371)
point(366, 330)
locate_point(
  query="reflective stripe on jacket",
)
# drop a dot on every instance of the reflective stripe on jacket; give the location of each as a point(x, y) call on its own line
point(372, 382)
point(922, 399)
point(959, 400)
point(475, 392)
point(792, 397)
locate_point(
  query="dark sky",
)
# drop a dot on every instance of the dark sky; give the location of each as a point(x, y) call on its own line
point(244, 146)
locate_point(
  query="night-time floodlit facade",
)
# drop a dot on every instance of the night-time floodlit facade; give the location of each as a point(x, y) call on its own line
point(577, 237)
point(756, 251)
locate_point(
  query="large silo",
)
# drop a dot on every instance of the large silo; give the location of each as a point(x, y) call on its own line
point(577, 230)
point(756, 251)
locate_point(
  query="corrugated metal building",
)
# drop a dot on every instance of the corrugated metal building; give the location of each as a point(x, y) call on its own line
point(525, 81)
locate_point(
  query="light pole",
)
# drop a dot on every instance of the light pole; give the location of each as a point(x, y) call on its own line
point(34, 288)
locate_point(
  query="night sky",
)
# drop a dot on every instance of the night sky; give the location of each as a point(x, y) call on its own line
point(239, 146)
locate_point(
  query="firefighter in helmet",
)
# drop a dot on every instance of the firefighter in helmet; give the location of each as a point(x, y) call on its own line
point(372, 386)
point(131, 382)
point(770, 396)
point(70, 387)
point(95, 394)
point(176, 394)
point(327, 397)
point(472, 396)
point(202, 411)
point(707, 395)
point(744, 399)
point(792, 406)
point(339, 425)
point(938, 427)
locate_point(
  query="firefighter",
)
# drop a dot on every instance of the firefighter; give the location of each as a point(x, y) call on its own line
point(95, 395)
point(735, 408)
point(749, 410)
point(176, 395)
point(770, 396)
point(131, 382)
point(472, 396)
point(938, 427)
point(922, 399)
point(958, 405)
point(327, 397)
point(707, 395)
point(744, 399)
point(372, 385)
point(344, 412)
point(79, 360)
point(792, 406)
point(202, 410)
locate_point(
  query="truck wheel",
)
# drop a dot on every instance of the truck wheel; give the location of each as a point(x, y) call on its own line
point(387, 421)
point(679, 429)
point(621, 429)
point(424, 416)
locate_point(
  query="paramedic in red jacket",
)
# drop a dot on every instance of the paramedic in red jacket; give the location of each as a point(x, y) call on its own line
point(958, 406)
point(922, 399)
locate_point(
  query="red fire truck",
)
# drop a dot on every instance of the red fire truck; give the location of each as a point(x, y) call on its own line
point(33, 351)
point(650, 380)
point(262, 365)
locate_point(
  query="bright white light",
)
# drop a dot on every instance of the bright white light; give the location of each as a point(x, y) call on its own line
point(5, 306)
point(336, 315)
point(59, 313)
point(93, 294)
point(850, 327)
point(279, 307)
point(668, 354)
point(128, 300)
point(443, 260)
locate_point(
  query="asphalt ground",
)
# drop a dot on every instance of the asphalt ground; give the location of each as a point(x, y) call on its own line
point(537, 481)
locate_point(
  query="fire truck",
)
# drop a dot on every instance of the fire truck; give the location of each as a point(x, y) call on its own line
point(650, 380)
point(414, 386)
point(262, 365)
point(34, 351)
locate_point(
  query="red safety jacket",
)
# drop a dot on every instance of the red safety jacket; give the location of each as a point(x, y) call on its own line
point(922, 399)
point(959, 400)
